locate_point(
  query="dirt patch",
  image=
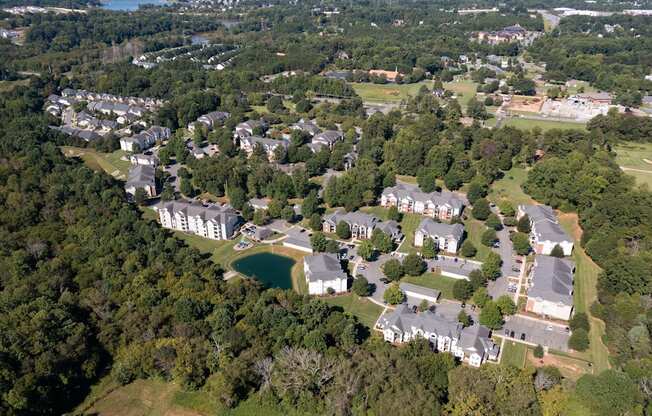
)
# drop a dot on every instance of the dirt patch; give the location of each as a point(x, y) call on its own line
point(569, 367)
point(648, 161)
point(523, 103)
point(576, 230)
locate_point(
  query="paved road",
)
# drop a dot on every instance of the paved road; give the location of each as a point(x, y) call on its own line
point(506, 252)
point(373, 273)
point(535, 332)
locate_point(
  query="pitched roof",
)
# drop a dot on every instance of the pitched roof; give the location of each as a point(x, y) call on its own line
point(544, 223)
point(357, 217)
point(424, 291)
point(552, 279)
point(141, 175)
point(323, 266)
point(403, 190)
point(431, 227)
point(218, 213)
point(328, 137)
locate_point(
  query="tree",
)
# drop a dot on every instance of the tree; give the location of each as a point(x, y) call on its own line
point(393, 269)
point(342, 230)
point(491, 266)
point(521, 243)
point(429, 249)
point(468, 249)
point(611, 392)
point(481, 297)
point(493, 221)
point(315, 222)
point(186, 187)
point(140, 196)
point(523, 224)
point(247, 212)
point(538, 351)
point(366, 250)
point(464, 318)
point(579, 320)
point(490, 316)
point(319, 242)
point(168, 192)
point(394, 295)
point(423, 305)
point(481, 209)
point(260, 217)
point(546, 377)
point(477, 279)
point(361, 286)
point(476, 109)
point(414, 265)
point(506, 305)
point(287, 213)
point(557, 251)
point(310, 204)
point(393, 214)
point(579, 340)
point(489, 237)
point(506, 208)
point(382, 241)
point(462, 289)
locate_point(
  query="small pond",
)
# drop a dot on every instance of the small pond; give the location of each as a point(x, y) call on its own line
point(270, 269)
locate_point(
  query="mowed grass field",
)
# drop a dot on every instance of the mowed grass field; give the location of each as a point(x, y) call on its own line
point(544, 125)
point(513, 354)
point(632, 156)
point(433, 281)
point(365, 310)
point(111, 163)
point(387, 92)
point(509, 188)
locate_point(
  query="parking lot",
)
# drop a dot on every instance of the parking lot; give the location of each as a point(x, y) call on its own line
point(535, 332)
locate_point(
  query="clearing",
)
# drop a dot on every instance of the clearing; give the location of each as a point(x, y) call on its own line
point(443, 284)
point(513, 354)
point(365, 310)
point(387, 92)
point(509, 188)
point(474, 229)
point(464, 90)
point(110, 163)
point(544, 125)
point(635, 159)
point(571, 368)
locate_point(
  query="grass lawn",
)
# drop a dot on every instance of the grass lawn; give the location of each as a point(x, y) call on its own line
point(365, 310)
point(387, 92)
point(433, 281)
point(585, 293)
point(527, 124)
point(409, 224)
point(632, 155)
point(474, 230)
point(108, 162)
point(513, 354)
point(464, 90)
point(509, 188)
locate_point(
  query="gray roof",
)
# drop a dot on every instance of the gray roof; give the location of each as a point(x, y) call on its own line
point(552, 279)
point(214, 117)
point(298, 238)
point(595, 95)
point(476, 338)
point(87, 135)
point(328, 137)
point(323, 266)
point(390, 228)
point(265, 142)
point(647, 99)
point(431, 227)
point(539, 212)
point(403, 190)
point(307, 126)
point(142, 175)
point(420, 290)
point(357, 217)
point(218, 213)
point(403, 319)
point(544, 223)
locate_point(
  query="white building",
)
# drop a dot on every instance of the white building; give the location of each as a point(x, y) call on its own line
point(551, 289)
point(409, 198)
point(323, 271)
point(545, 231)
point(209, 221)
point(447, 237)
point(472, 344)
point(141, 177)
point(248, 143)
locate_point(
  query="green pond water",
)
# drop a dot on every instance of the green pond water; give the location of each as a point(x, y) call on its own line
point(270, 269)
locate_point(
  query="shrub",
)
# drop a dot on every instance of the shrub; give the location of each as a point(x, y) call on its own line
point(579, 340)
point(538, 351)
point(468, 249)
point(361, 286)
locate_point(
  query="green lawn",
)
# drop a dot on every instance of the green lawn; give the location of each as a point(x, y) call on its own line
point(366, 311)
point(509, 188)
point(387, 92)
point(513, 354)
point(584, 294)
point(111, 163)
point(464, 90)
point(474, 230)
point(433, 281)
point(632, 155)
point(409, 224)
point(527, 124)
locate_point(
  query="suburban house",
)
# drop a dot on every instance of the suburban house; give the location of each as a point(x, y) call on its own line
point(83, 95)
point(551, 288)
point(86, 135)
point(143, 177)
point(361, 225)
point(545, 231)
point(515, 33)
point(247, 128)
point(115, 108)
point(307, 127)
point(145, 139)
point(472, 344)
point(248, 143)
point(259, 203)
point(327, 138)
point(210, 120)
point(323, 271)
point(447, 237)
point(143, 159)
point(210, 221)
point(409, 198)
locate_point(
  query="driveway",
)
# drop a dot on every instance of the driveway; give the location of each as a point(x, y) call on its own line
point(537, 332)
point(506, 253)
point(373, 273)
point(174, 177)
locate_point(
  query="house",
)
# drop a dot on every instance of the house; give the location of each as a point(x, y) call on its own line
point(210, 120)
point(262, 233)
point(360, 224)
point(551, 289)
point(409, 198)
point(390, 76)
point(339, 75)
point(350, 159)
point(447, 237)
point(145, 139)
point(515, 33)
point(328, 138)
point(323, 271)
point(417, 293)
point(392, 229)
point(141, 177)
point(545, 231)
point(143, 159)
point(210, 221)
point(85, 135)
point(595, 98)
point(248, 144)
point(472, 344)
point(298, 239)
point(306, 126)
point(259, 203)
point(249, 127)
